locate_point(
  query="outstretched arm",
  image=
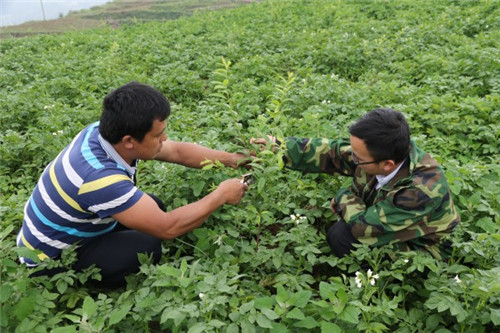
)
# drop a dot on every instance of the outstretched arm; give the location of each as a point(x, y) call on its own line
point(192, 155)
point(147, 217)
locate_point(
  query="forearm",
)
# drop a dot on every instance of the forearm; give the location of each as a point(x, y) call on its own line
point(193, 155)
point(186, 218)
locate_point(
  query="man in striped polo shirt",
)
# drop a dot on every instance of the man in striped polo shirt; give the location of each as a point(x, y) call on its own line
point(87, 194)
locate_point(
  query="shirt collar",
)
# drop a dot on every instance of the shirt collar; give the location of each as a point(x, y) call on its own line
point(382, 180)
point(108, 147)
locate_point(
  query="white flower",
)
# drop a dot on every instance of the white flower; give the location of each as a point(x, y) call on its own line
point(406, 261)
point(218, 241)
point(201, 295)
point(369, 273)
point(293, 217)
point(457, 279)
point(357, 279)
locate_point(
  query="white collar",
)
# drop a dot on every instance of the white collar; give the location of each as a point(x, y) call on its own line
point(108, 147)
point(382, 180)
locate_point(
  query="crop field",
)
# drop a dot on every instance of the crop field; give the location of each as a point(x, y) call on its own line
point(289, 68)
point(119, 12)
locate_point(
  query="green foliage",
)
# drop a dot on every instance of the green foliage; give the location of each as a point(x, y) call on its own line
point(289, 68)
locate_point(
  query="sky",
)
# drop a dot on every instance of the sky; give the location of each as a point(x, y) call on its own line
point(14, 12)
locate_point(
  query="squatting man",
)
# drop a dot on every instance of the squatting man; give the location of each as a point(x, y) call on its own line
point(398, 195)
point(87, 195)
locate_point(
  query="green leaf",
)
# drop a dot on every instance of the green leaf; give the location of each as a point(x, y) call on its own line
point(170, 313)
point(198, 187)
point(169, 271)
point(263, 302)
point(327, 327)
point(326, 291)
point(300, 298)
point(296, 314)
point(118, 315)
point(5, 292)
point(65, 329)
point(281, 296)
point(350, 314)
point(263, 322)
point(198, 328)
point(216, 323)
point(24, 307)
point(495, 316)
point(4, 319)
point(270, 314)
point(309, 323)
point(261, 184)
point(487, 224)
point(89, 307)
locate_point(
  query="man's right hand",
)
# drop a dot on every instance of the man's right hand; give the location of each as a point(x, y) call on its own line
point(232, 190)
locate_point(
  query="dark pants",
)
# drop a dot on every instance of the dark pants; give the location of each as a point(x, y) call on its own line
point(340, 239)
point(115, 253)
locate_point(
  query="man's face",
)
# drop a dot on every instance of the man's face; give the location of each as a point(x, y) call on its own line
point(362, 155)
point(151, 145)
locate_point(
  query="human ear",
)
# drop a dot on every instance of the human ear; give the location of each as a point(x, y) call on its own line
point(128, 142)
point(388, 165)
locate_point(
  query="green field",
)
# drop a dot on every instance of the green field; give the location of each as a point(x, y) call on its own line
point(290, 68)
point(117, 13)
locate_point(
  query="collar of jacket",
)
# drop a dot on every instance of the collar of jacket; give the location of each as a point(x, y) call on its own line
point(409, 166)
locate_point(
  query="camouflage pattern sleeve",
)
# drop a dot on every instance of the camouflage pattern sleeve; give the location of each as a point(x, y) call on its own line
point(319, 155)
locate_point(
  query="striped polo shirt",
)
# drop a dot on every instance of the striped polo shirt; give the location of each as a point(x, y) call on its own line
point(76, 196)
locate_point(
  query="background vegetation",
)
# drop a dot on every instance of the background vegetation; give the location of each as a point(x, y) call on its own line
point(118, 12)
point(301, 68)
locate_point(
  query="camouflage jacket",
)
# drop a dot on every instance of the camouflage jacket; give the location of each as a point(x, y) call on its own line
point(414, 210)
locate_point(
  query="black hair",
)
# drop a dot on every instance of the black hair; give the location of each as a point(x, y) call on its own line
point(131, 110)
point(385, 133)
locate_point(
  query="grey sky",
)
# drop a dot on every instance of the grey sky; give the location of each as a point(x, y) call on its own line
point(14, 12)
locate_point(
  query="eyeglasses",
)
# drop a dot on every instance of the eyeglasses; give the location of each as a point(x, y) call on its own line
point(356, 161)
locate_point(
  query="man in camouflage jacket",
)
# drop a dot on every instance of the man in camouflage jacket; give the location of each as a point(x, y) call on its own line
point(399, 193)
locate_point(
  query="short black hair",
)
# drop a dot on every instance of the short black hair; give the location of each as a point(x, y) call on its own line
point(131, 110)
point(385, 133)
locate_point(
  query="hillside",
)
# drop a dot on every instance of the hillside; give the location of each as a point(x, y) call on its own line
point(119, 12)
point(296, 68)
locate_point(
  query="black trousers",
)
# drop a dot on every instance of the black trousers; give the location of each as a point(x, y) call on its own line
point(115, 253)
point(340, 239)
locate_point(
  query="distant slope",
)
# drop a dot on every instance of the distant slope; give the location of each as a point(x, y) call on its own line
point(119, 12)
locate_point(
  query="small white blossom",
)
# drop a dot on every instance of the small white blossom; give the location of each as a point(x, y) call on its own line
point(369, 273)
point(293, 217)
point(406, 261)
point(201, 295)
point(357, 279)
point(457, 279)
point(218, 241)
